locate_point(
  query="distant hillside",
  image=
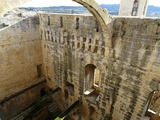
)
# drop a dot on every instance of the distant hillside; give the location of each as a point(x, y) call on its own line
point(113, 9)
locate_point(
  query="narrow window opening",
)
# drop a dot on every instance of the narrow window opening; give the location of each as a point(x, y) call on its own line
point(96, 26)
point(48, 35)
point(77, 23)
point(135, 8)
point(84, 39)
point(55, 37)
point(90, 40)
point(52, 36)
point(49, 20)
point(61, 22)
point(158, 29)
point(39, 71)
point(59, 37)
point(43, 92)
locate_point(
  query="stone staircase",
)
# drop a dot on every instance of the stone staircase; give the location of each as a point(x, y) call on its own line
point(48, 108)
point(53, 109)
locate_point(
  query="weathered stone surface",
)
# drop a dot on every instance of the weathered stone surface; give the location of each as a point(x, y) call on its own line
point(127, 57)
point(20, 49)
point(125, 67)
point(133, 8)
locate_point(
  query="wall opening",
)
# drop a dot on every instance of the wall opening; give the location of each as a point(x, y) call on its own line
point(39, 71)
point(49, 20)
point(43, 92)
point(77, 23)
point(61, 22)
point(135, 8)
point(84, 39)
point(90, 40)
point(96, 26)
point(92, 78)
point(52, 36)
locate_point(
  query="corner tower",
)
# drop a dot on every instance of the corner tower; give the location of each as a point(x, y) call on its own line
point(133, 8)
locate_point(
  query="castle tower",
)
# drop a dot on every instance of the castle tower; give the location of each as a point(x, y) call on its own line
point(133, 8)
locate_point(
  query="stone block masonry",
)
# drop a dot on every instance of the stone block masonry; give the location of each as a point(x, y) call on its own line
point(20, 54)
point(128, 69)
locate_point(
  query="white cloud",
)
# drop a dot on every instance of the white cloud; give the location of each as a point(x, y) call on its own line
point(154, 2)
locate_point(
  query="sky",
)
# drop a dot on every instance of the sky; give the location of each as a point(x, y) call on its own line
point(46, 3)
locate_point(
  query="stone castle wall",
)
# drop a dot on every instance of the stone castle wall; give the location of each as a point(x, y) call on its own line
point(20, 53)
point(128, 69)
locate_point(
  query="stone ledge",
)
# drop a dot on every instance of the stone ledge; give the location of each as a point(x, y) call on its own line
point(21, 91)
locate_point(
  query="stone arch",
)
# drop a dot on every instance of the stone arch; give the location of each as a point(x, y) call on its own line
point(100, 14)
